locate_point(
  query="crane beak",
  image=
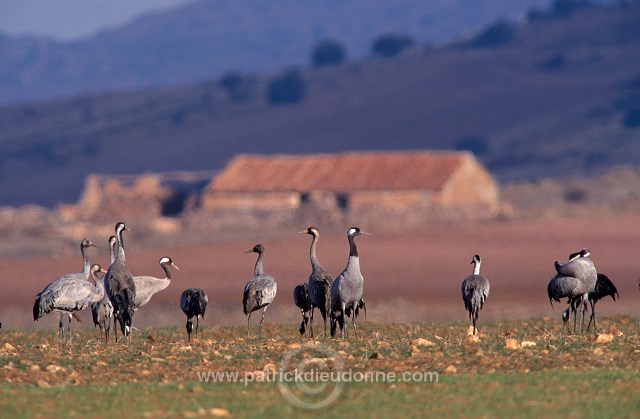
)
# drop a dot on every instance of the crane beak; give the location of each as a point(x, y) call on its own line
point(174, 265)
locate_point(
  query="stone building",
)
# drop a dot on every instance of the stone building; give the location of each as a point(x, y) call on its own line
point(390, 188)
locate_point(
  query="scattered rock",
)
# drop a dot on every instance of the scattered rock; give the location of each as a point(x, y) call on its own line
point(422, 342)
point(294, 346)
point(55, 368)
point(450, 370)
point(598, 351)
point(472, 339)
point(470, 331)
point(43, 384)
point(528, 344)
point(511, 344)
point(604, 338)
point(74, 377)
point(9, 347)
point(35, 368)
point(270, 367)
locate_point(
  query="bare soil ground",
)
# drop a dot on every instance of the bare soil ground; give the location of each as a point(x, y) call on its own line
point(409, 275)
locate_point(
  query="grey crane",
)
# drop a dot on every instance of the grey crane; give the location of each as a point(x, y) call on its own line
point(193, 303)
point(475, 290)
point(303, 302)
point(41, 305)
point(68, 296)
point(120, 287)
point(604, 287)
point(320, 282)
point(102, 311)
point(148, 286)
point(347, 289)
point(576, 278)
point(259, 291)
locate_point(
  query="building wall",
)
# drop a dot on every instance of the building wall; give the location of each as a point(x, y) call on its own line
point(470, 185)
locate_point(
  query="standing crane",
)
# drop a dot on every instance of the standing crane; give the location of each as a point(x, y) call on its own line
point(302, 301)
point(44, 300)
point(193, 303)
point(120, 287)
point(320, 282)
point(147, 286)
point(576, 278)
point(102, 311)
point(259, 291)
point(475, 290)
point(68, 296)
point(347, 289)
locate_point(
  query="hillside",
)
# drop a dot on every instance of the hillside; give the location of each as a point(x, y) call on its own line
point(556, 97)
point(204, 39)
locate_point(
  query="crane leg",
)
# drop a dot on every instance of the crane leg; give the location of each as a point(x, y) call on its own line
point(593, 317)
point(61, 327)
point(197, 324)
point(248, 324)
point(344, 331)
point(313, 309)
point(585, 299)
point(262, 320)
point(353, 322)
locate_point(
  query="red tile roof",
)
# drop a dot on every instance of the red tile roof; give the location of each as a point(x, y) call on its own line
point(426, 170)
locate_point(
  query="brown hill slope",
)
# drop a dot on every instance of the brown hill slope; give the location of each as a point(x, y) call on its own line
point(559, 98)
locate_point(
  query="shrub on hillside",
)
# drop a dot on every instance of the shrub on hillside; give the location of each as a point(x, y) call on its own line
point(328, 52)
point(498, 34)
point(287, 88)
point(391, 44)
point(238, 87)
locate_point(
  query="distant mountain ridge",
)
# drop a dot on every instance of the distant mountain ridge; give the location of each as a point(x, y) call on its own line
point(554, 97)
point(204, 39)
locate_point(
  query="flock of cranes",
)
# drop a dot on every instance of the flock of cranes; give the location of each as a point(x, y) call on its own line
point(119, 294)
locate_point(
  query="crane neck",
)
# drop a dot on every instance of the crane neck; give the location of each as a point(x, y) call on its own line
point(312, 251)
point(259, 270)
point(353, 250)
point(476, 268)
point(86, 267)
point(120, 241)
point(166, 271)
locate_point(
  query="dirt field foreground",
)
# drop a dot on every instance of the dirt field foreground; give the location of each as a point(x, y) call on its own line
point(410, 276)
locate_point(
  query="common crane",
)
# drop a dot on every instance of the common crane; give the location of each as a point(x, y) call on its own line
point(147, 286)
point(120, 287)
point(102, 311)
point(320, 282)
point(259, 291)
point(475, 290)
point(193, 303)
point(576, 278)
point(347, 289)
point(302, 301)
point(68, 296)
